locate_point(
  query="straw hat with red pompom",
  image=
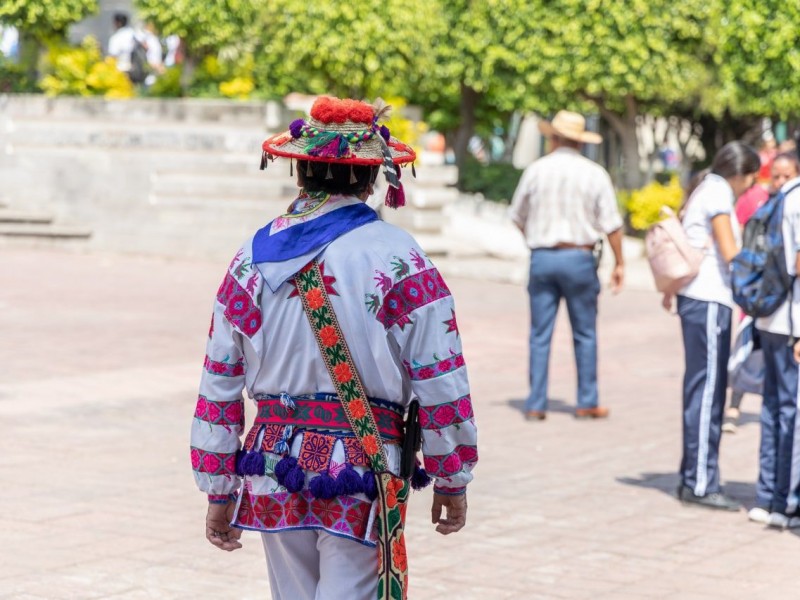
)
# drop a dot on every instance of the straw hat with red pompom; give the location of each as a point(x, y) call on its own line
point(346, 132)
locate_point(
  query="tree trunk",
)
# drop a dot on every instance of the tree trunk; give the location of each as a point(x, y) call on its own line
point(466, 126)
point(625, 126)
point(29, 51)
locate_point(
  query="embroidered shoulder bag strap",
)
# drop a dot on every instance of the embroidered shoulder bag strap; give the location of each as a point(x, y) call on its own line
point(392, 490)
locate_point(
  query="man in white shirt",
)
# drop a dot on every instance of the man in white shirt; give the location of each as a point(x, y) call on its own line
point(122, 42)
point(778, 483)
point(564, 204)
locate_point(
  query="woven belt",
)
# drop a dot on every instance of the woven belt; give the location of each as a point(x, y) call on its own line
point(325, 411)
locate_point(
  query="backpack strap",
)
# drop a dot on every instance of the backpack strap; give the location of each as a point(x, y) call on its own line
point(392, 491)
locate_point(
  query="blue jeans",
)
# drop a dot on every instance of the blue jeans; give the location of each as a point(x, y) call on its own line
point(779, 455)
point(568, 274)
point(706, 328)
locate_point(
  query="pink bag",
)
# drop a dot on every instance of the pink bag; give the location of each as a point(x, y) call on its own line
point(673, 261)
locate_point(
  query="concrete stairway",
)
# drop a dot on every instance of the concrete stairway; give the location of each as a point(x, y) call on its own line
point(37, 225)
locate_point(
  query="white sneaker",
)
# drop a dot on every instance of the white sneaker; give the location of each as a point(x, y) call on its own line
point(781, 521)
point(758, 515)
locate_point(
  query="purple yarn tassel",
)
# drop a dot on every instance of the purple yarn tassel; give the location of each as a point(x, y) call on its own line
point(283, 467)
point(420, 479)
point(295, 479)
point(252, 463)
point(370, 485)
point(349, 482)
point(296, 128)
point(323, 486)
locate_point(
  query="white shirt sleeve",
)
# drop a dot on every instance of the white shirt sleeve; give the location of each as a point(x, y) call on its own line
point(608, 217)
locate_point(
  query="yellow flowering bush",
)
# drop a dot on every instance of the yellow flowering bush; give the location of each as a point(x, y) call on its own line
point(409, 131)
point(82, 71)
point(238, 88)
point(644, 205)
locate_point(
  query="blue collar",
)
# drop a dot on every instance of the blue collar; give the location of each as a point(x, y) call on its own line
point(303, 238)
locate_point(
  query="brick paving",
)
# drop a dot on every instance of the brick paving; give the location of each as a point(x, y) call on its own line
point(100, 360)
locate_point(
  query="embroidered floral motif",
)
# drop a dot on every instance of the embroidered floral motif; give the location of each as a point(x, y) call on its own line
point(400, 268)
point(315, 452)
point(373, 302)
point(342, 515)
point(444, 415)
point(354, 452)
point(419, 372)
point(410, 294)
point(224, 368)
point(328, 335)
point(417, 260)
point(384, 282)
point(241, 269)
point(450, 464)
point(328, 280)
point(451, 323)
point(239, 307)
point(226, 414)
point(213, 463)
point(272, 435)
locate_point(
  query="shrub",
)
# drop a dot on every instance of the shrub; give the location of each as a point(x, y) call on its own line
point(82, 71)
point(644, 205)
point(496, 181)
point(14, 79)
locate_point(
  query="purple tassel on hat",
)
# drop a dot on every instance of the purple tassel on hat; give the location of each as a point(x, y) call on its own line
point(323, 486)
point(349, 482)
point(295, 479)
point(395, 197)
point(370, 485)
point(296, 128)
point(385, 132)
point(420, 479)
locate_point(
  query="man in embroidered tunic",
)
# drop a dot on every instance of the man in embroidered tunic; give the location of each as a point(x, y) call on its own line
point(300, 475)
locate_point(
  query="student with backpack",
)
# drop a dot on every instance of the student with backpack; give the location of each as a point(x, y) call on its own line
point(778, 483)
point(705, 305)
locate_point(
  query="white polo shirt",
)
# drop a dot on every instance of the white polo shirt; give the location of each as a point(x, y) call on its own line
point(778, 322)
point(713, 197)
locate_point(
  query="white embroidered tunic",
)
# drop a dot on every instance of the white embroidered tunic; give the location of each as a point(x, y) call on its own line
point(398, 318)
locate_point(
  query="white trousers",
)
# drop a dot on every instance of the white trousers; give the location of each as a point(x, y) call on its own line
point(315, 565)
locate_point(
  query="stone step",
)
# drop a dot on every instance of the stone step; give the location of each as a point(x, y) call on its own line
point(257, 184)
point(40, 230)
point(432, 198)
point(22, 216)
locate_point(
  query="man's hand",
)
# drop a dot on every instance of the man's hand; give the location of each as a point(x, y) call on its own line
point(617, 279)
point(456, 511)
point(796, 350)
point(666, 302)
point(218, 529)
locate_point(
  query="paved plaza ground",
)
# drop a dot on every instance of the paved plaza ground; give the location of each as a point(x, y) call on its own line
point(101, 357)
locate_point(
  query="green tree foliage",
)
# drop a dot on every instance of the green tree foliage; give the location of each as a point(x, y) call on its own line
point(45, 19)
point(757, 56)
point(354, 49)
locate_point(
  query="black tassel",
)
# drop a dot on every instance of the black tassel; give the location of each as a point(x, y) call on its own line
point(413, 171)
point(291, 169)
point(329, 175)
point(263, 161)
point(309, 172)
point(353, 178)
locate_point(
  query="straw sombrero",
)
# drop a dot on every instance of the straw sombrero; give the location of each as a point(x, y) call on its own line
point(569, 125)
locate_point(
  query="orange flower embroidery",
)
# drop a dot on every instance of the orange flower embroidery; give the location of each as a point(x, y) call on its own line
point(328, 335)
point(399, 559)
point(357, 409)
point(315, 299)
point(343, 373)
point(370, 444)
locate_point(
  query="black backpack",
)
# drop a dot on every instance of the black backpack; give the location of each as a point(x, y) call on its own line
point(139, 65)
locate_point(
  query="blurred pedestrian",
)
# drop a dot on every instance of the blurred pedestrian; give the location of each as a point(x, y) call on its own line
point(705, 306)
point(337, 323)
point(778, 483)
point(122, 43)
point(785, 166)
point(153, 52)
point(564, 204)
point(9, 42)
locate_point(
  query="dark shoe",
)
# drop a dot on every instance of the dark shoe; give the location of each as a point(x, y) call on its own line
point(717, 500)
point(535, 415)
point(598, 412)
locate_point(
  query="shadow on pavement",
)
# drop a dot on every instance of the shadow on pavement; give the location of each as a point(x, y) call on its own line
point(667, 483)
point(553, 405)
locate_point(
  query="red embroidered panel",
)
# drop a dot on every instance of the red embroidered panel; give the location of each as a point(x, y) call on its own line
point(450, 464)
point(408, 295)
point(342, 515)
point(224, 369)
point(213, 463)
point(227, 414)
point(444, 415)
point(240, 309)
point(316, 451)
point(419, 372)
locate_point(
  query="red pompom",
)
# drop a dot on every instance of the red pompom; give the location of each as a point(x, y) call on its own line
point(328, 109)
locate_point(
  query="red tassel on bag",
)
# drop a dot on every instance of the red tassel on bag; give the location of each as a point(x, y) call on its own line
point(395, 197)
